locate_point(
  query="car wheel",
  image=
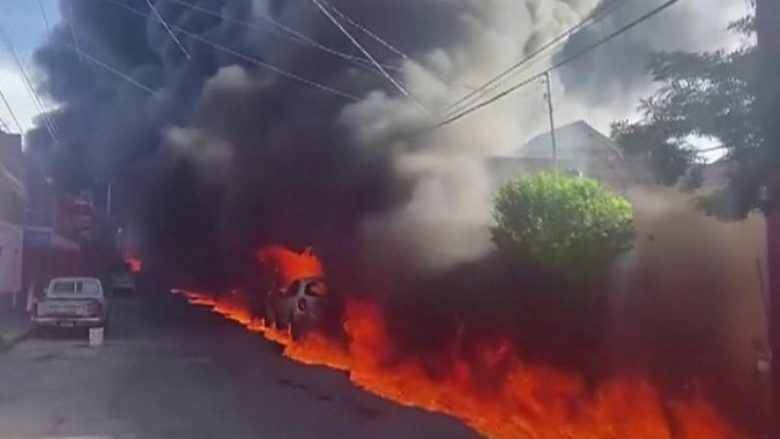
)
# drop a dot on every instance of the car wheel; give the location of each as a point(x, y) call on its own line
point(296, 329)
point(281, 324)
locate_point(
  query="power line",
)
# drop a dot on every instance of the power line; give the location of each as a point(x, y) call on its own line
point(558, 65)
point(168, 29)
point(245, 57)
point(116, 72)
point(45, 17)
point(368, 55)
point(50, 125)
point(512, 71)
point(376, 37)
point(286, 32)
point(270, 67)
point(389, 46)
point(72, 22)
point(11, 112)
point(367, 31)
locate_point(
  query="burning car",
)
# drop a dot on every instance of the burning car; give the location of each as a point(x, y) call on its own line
point(303, 305)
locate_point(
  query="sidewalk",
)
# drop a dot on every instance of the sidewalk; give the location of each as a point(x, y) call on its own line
point(14, 327)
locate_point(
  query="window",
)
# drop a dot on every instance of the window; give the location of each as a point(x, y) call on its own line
point(292, 289)
point(87, 287)
point(63, 287)
point(90, 287)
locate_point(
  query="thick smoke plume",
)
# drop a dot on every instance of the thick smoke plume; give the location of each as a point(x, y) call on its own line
point(226, 154)
point(616, 74)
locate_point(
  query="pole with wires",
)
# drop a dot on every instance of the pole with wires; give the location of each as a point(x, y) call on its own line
point(528, 61)
point(548, 96)
point(477, 106)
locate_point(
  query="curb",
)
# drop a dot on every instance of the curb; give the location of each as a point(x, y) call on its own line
point(9, 341)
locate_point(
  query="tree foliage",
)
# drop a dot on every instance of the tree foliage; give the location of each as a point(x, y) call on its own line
point(574, 225)
point(701, 95)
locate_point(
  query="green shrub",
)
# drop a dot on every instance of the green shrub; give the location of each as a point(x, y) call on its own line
point(574, 225)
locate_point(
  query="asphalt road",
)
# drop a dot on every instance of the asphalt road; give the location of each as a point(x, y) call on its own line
point(169, 370)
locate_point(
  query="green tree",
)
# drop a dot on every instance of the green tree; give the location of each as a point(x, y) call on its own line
point(710, 95)
point(573, 225)
point(733, 97)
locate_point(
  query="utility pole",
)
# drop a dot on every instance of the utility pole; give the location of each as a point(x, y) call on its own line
point(552, 120)
point(109, 198)
point(767, 89)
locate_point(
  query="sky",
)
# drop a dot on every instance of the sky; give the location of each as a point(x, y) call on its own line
point(23, 22)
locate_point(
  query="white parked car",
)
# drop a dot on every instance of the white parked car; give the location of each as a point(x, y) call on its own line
point(71, 302)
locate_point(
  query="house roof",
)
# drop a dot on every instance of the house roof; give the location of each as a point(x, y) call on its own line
point(573, 141)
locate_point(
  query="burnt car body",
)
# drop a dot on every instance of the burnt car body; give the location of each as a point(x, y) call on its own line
point(303, 305)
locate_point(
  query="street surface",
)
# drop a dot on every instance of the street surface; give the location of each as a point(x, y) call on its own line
point(169, 370)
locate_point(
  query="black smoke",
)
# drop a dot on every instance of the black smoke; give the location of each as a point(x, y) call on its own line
point(258, 157)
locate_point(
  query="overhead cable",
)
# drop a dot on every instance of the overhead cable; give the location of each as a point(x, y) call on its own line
point(168, 29)
point(377, 38)
point(558, 65)
point(515, 69)
point(45, 17)
point(368, 55)
point(11, 112)
point(245, 57)
point(366, 30)
point(72, 25)
point(123, 76)
point(286, 32)
point(50, 125)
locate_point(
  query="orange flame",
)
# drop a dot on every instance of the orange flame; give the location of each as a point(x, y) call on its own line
point(532, 401)
point(535, 401)
point(290, 265)
point(134, 264)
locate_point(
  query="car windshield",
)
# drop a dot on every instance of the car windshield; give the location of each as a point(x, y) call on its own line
point(75, 287)
point(316, 288)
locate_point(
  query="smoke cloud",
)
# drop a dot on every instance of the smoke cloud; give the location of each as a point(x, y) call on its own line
point(247, 155)
point(615, 74)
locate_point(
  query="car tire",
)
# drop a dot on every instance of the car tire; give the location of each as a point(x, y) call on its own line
point(296, 329)
point(279, 321)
